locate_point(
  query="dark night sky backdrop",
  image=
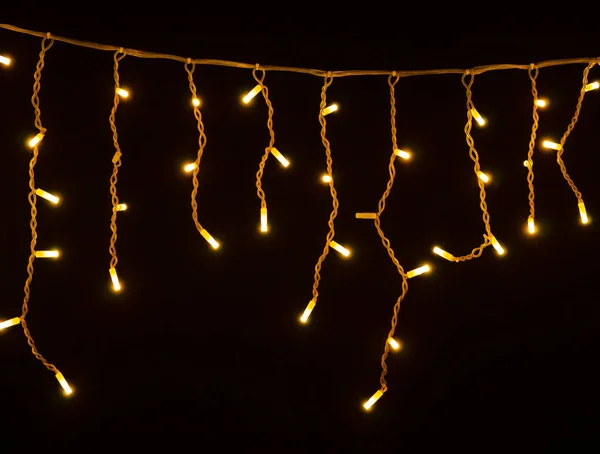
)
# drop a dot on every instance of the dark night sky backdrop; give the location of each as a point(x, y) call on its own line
point(203, 342)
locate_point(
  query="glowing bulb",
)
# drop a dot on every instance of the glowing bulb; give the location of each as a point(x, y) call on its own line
point(207, 236)
point(366, 215)
point(330, 109)
point(65, 385)
point(46, 254)
point(8, 323)
point(190, 167)
point(526, 164)
point(374, 398)
point(325, 178)
point(483, 177)
point(444, 254)
point(394, 343)
point(123, 93)
point(541, 103)
point(418, 271)
point(478, 118)
point(308, 310)
point(583, 213)
point(115, 279)
point(46, 195)
point(251, 94)
point(35, 140)
point(402, 154)
point(275, 152)
point(592, 86)
point(5, 60)
point(496, 245)
point(121, 207)
point(530, 225)
point(341, 249)
point(264, 227)
point(196, 102)
point(551, 145)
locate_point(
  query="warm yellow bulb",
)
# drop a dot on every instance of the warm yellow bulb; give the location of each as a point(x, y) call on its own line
point(46, 254)
point(325, 178)
point(582, 213)
point(275, 152)
point(526, 164)
point(196, 102)
point(46, 195)
point(251, 94)
point(65, 385)
point(483, 177)
point(121, 207)
point(394, 343)
point(8, 323)
point(496, 245)
point(374, 398)
point(418, 271)
point(592, 86)
point(477, 116)
point(189, 167)
point(264, 226)
point(6, 61)
point(308, 310)
point(551, 145)
point(366, 215)
point(341, 249)
point(541, 103)
point(123, 93)
point(207, 236)
point(402, 154)
point(35, 140)
point(115, 279)
point(330, 109)
point(444, 254)
point(531, 225)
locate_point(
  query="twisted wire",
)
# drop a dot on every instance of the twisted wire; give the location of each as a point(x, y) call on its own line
point(533, 74)
point(190, 67)
point(47, 43)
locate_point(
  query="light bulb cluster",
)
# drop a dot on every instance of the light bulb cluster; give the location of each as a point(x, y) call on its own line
point(392, 343)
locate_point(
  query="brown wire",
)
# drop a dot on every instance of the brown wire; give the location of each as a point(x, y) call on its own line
point(116, 160)
point(533, 74)
point(334, 198)
point(392, 81)
point(313, 72)
point(47, 43)
point(559, 160)
point(190, 67)
point(261, 166)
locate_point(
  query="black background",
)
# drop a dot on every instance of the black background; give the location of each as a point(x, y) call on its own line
point(206, 344)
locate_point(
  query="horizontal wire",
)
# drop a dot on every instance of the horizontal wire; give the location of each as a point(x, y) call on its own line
point(291, 69)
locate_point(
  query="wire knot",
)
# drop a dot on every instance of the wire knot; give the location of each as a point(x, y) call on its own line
point(394, 73)
point(467, 72)
point(329, 74)
point(48, 35)
point(121, 50)
point(189, 60)
point(532, 66)
point(257, 67)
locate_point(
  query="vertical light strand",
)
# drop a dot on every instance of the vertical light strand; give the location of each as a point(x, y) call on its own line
point(533, 74)
point(264, 226)
point(189, 68)
point(116, 160)
point(47, 43)
point(328, 80)
point(559, 153)
point(392, 81)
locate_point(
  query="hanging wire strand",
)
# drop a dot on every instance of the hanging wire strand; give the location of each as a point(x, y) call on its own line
point(559, 160)
point(334, 198)
point(533, 74)
point(47, 43)
point(190, 67)
point(314, 72)
point(392, 81)
point(116, 160)
point(261, 166)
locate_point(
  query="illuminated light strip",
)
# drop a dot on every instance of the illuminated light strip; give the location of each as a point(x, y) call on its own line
point(418, 271)
point(477, 116)
point(275, 152)
point(341, 249)
point(330, 109)
point(444, 254)
point(366, 215)
point(46, 195)
point(251, 94)
point(374, 398)
point(115, 279)
point(8, 323)
point(65, 385)
point(207, 236)
point(406, 155)
point(46, 254)
point(309, 308)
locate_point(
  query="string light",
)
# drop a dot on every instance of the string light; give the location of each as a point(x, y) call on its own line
point(472, 113)
point(46, 195)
